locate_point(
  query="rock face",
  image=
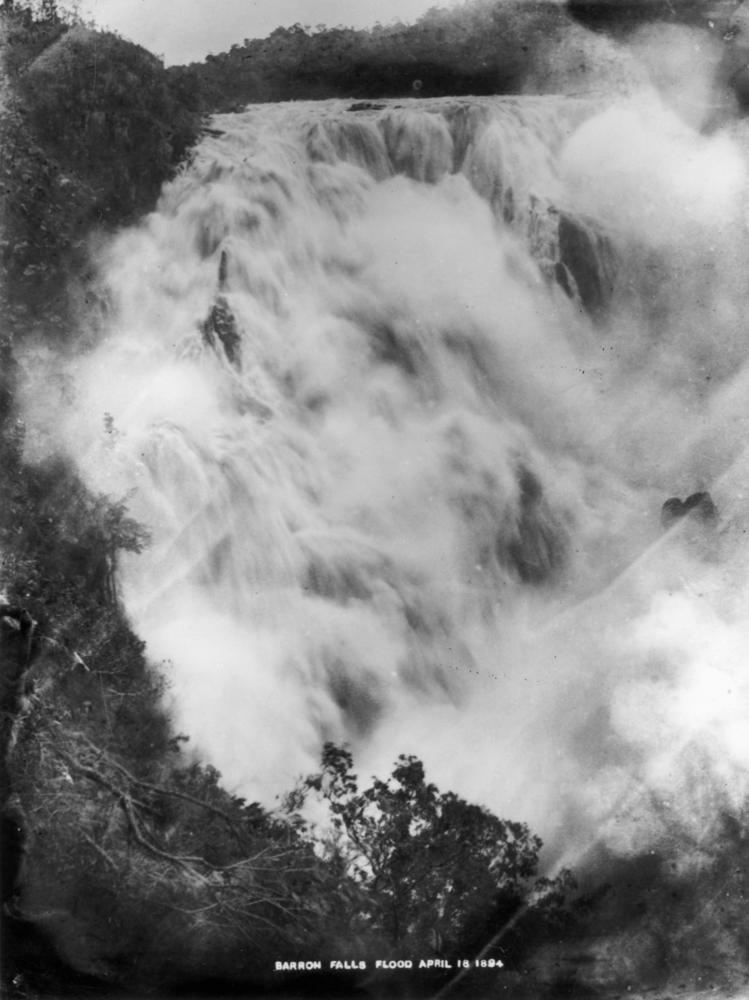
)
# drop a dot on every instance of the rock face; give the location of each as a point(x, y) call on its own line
point(585, 267)
point(220, 327)
point(540, 545)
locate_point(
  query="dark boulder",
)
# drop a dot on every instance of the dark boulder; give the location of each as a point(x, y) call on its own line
point(539, 547)
point(702, 506)
point(366, 106)
point(585, 264)
point(699, 506)
point(221, 328)
point(671, 511)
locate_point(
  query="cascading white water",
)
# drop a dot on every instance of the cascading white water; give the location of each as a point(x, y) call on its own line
point(399, 393)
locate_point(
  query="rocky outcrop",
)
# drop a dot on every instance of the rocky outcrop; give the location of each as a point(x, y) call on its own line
point(220, 328)
point(698, 506)
point(585, 265)
point(539, 547)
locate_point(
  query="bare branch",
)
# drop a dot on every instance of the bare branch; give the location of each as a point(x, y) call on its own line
point(184, 861)
point(209, 807)
point(95, 776)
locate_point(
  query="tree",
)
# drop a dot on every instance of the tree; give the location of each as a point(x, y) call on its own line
point(439, 873)
point(104, 108)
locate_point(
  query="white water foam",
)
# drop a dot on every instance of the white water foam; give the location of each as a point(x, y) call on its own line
point(417, 507)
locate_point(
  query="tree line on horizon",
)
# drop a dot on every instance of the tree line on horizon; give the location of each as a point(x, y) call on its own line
point(480, 47)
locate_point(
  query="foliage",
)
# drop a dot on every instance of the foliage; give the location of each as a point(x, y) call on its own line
point(438, 873)
point(90, 129)
point(622, 19)
point(29, 28)
point(480, 47)
point(477, 47)
point(160, 837)
point(45, 213)
point(125, 822)
point(105, 107)
point(74, 536)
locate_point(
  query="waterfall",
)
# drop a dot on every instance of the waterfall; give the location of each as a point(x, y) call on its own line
point(398, 391)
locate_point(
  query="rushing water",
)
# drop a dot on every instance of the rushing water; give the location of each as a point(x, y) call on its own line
point(399, 392)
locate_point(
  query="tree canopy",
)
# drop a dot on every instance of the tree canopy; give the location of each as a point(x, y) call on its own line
point(480, 47)
point(91, 127)
point(439, 873)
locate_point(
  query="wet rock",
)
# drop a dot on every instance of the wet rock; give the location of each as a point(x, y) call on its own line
point(698, 506)
point(220, 327)
point(366, 106)
point(223, 269)
point(701, 504)
point(671, 511)
point(539, 547)
point(585, 265)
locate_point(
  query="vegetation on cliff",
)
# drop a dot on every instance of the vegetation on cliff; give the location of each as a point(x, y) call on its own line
point(90, 130)
point(476, 47)
point(483, 47)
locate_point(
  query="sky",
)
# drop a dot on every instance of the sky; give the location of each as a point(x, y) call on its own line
point(184, 31)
